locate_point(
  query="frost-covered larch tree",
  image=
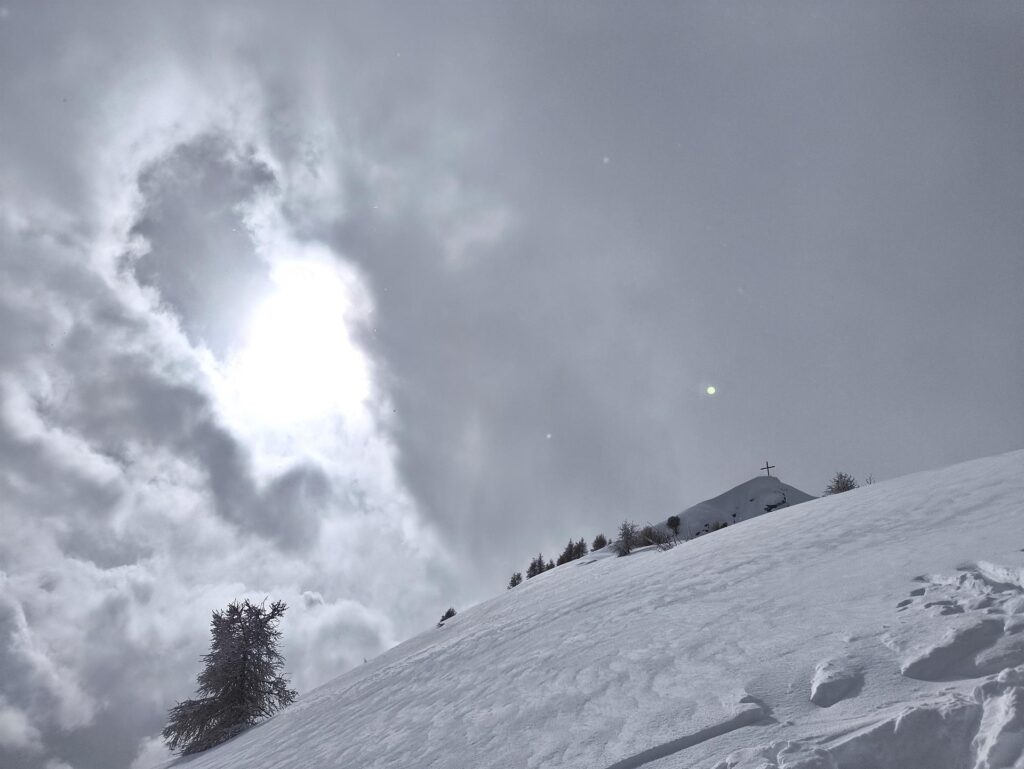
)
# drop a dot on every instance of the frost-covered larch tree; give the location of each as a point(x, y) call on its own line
point(241, 682)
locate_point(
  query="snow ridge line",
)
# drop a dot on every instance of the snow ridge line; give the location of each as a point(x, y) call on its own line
point(746, 717)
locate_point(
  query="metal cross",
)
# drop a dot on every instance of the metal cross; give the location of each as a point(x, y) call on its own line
point(768, 468)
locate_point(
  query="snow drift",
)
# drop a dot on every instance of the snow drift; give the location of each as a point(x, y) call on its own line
point(879, 628)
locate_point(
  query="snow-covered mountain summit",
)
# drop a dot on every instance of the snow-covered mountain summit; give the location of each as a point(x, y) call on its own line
point(882, 628)
point(748, 500)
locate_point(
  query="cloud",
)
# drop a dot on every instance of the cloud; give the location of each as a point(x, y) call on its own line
point(136, 494)
point(199, 256)
point(171, 182)
point(33, 677)
point(152, 753)
point(16, 731)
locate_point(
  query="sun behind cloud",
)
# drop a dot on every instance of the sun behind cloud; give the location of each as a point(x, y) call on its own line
point(298, 361)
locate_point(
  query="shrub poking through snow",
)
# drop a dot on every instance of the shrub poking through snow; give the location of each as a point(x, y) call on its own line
point(446, 616)
point(841, 482)
point(240, 684)
point(516, 579)
point(711, 527)
point(629, 535)
point(652, 535)
point(599, 541)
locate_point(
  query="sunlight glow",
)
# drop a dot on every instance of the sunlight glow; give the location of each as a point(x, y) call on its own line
point(298, 361)
point(711, 390)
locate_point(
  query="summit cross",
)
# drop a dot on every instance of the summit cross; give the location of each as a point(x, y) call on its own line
point(768, 468)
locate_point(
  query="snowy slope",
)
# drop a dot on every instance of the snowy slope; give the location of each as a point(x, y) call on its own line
point(879, 628)
point(748, 500)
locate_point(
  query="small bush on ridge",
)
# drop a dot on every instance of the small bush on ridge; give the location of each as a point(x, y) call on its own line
point(629, 535)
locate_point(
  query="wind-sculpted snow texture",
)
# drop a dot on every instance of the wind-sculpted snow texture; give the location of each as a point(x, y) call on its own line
point(878, 629)
point(834, 681)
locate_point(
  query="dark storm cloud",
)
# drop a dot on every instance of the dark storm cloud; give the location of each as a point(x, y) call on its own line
point(571, 219)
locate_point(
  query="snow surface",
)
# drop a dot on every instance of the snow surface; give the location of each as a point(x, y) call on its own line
point(898, 607)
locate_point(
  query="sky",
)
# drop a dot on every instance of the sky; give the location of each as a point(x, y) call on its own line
point(359, 306)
